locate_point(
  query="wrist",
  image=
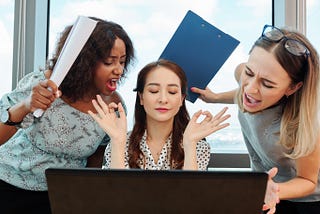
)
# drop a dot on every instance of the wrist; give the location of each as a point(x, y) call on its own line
point(6, 118)
point(18, 112)
point(189, 146)
point(117, 146)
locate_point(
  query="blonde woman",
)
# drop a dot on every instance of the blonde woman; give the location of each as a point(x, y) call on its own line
point(278, 102)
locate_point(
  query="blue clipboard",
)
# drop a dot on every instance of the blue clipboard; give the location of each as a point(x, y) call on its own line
point(200, 49)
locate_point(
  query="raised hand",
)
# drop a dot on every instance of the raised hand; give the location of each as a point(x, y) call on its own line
point(195, 131)
point(42, 95)
point(113, 123)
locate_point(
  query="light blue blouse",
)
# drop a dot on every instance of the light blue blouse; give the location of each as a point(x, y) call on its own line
point(62, 137)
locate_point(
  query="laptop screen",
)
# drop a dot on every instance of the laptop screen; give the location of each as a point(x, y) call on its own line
point(140, 191)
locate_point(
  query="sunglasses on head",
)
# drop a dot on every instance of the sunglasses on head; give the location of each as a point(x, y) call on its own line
point(293, 46)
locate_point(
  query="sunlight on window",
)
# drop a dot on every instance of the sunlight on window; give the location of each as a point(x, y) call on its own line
point(150, 24)
point(313, 17)
point(6, 44)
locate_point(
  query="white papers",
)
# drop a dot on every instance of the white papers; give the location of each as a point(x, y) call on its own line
point(77, 38)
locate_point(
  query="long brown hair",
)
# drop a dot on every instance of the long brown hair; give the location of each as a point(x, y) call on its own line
point(180, 122)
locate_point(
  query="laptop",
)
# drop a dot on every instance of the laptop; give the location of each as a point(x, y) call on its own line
point(93, 191)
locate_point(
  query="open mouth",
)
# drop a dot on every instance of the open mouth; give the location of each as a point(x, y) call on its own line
point(250, 99)
point(112, 84)
point(250, 102)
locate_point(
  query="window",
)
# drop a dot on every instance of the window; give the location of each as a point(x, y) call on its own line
point(312, 28)
point(150, 24)
point(6, 44)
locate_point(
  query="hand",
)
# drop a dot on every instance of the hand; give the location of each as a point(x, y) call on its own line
point(42, 95)
point(206, 95)
point(196, 131)
point(114, 125)
point(272, 193)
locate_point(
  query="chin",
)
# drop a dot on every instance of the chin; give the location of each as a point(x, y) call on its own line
point(252, 109)
point(107, 93)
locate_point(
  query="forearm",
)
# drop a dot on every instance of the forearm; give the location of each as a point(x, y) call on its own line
point(6, 132)
point(296, 188)
point(190, 158)
point(117, 157)
point(17, 113)
point(306, 180)
point(225, 97)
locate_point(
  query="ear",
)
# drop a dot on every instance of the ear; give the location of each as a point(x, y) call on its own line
point(292, 89)
point(141, 98)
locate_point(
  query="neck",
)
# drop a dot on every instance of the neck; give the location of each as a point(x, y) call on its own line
point(159, 131)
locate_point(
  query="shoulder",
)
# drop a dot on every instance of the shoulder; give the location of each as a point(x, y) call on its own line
point(238, 71)
point(22, 90)
point(31, 79)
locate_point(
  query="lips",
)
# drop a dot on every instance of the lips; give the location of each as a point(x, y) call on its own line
point(112, 84)
point(249, 101)
point(162, 110)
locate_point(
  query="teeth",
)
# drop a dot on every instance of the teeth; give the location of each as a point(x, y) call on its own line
point(251, 100)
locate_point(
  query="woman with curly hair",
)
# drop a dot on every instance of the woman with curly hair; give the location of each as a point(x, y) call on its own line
point(65, 135)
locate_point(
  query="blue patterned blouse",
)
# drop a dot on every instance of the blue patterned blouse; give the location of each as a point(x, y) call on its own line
point(62, 137)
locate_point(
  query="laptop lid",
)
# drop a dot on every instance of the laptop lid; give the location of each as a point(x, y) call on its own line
point(152, 191)
point(200, 49)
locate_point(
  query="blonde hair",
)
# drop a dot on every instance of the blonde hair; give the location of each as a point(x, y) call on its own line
point(299, 130)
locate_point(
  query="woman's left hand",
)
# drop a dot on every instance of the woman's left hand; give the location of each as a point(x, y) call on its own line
point(272, 193)
point(195, 131)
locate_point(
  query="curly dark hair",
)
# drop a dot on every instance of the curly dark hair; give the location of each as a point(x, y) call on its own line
point(79, 79)
point(180, 122)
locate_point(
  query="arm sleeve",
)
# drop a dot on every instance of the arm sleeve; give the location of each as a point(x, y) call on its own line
point(203, 154)
point(21, 92)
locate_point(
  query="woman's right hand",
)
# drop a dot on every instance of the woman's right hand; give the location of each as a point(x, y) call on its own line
point(206, 95)
point(42, 95)
point(209, 96)
point(115, 125)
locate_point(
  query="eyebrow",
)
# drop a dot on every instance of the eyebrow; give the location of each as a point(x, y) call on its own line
point(264, 79)
point(157, 84)
point(115, 57)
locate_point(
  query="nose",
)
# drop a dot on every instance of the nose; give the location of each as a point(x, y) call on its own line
point(252, 87)
point(163, 97)
point(118, 69)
